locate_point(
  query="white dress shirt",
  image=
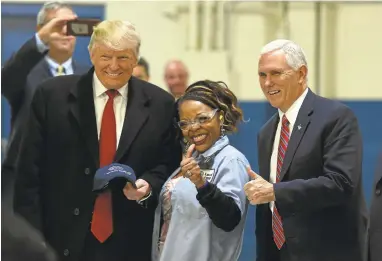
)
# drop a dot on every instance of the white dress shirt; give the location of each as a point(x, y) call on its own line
point(100, 99)
point(291, 115)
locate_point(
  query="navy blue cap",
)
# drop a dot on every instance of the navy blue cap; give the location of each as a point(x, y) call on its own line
point(113, 176)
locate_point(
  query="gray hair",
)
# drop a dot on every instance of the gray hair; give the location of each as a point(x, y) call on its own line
point(116, 34)
point(294, 54)
point(48, 7)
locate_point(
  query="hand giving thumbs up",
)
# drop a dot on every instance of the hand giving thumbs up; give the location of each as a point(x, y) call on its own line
point(190, 168)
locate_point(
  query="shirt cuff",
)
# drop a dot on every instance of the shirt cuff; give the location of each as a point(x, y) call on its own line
point(41, 47)
point(141, 201)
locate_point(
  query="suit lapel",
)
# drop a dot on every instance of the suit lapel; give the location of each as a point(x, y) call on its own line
point(137, 113)
point(46, 72)
point(270, 132)
point(299, 129)
point(82, 109)
point(378, 171)
point(40, 73)
point(74, 67)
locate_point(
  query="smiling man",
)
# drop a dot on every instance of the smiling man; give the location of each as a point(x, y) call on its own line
point(309, 196)
point(80, 123)
point(49, 54)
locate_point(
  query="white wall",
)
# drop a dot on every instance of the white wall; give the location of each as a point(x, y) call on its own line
point(360, 51)
point(354, 72)
point(351, 53)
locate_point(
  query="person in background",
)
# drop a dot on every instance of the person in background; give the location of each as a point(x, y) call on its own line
point(308, 194)
point(47, 54)
point(375, 226)
point(176, 77)
point(79, 123)
point(142, 70)
point(58, 60)
point(202, 204)
point(20, 241)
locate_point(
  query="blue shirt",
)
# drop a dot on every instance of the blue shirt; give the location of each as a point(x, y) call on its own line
point(41, 47)
point(192, 235)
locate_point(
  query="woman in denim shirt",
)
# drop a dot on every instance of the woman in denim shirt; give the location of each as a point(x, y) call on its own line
point(202, 208)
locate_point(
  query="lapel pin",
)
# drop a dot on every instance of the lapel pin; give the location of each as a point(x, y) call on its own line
point(299, 127)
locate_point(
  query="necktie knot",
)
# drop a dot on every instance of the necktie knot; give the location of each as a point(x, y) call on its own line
point(112, 93)
point(60, 70)
point(285, 121)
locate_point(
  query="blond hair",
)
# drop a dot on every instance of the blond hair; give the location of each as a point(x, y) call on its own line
point(116, 34)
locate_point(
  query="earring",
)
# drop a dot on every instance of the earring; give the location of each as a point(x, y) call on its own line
point(222, 131)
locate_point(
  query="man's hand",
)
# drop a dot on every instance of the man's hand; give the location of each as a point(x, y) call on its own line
point(55, 29)
point(190, 168)
point(258, 190)
point(142, 190)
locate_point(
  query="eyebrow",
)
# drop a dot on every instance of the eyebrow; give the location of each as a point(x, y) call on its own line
point(204, 112)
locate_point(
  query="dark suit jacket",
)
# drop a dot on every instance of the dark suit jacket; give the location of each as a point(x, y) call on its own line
point(21, 75)
point(375, 230)
point(320, 196)
point(59, 156)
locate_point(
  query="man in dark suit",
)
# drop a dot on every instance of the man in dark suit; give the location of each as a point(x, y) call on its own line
point(309, 196)
point(20, 240)
point(35, 62)
point(80, 123)
point(375, 230)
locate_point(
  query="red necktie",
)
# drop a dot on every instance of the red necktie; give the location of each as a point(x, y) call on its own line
point(277, 226)
point(102, 222)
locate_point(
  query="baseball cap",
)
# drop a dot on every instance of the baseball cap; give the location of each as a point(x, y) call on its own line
point(113, 176)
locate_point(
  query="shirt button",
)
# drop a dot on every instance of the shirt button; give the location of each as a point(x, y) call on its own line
point(378, 192)
point(87, 171)
point(66, 252)
point(76, 211)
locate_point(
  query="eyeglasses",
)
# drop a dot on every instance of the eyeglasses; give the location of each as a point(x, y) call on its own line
point(201, 119)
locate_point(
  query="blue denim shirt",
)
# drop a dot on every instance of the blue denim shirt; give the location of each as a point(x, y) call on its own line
point(192, 235)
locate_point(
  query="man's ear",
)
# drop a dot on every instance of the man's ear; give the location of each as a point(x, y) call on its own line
point(91, 54)
point(303, 73)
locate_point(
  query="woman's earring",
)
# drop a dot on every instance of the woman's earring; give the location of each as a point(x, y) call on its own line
point(222, 131)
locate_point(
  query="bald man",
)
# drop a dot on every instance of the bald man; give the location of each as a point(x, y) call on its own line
point(176, 77)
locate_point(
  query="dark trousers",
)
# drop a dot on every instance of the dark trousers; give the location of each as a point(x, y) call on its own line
point(111, 250)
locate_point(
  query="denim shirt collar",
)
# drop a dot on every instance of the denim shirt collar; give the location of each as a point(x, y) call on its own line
point(215, 149)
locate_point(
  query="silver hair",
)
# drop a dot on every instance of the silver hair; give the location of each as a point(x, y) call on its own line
point(116, 34)
point(48, 7)
point(294, 54)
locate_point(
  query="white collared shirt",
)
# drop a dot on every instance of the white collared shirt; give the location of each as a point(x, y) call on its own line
point(291, 114)
point(100, 99)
